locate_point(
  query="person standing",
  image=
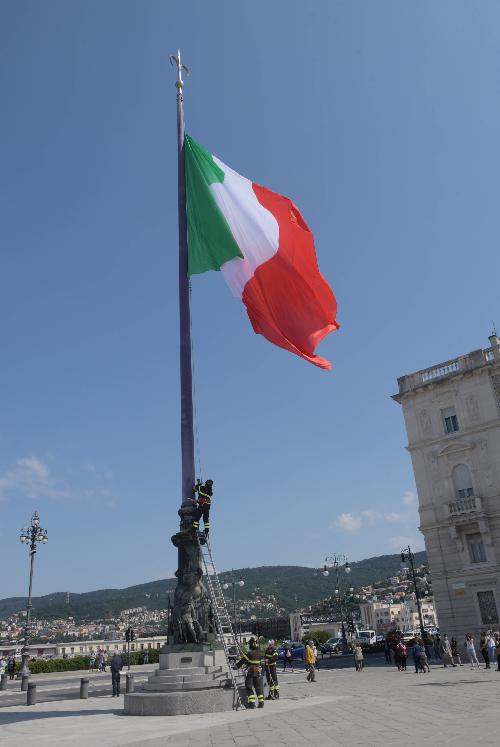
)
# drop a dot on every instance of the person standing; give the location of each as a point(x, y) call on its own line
point(497, 639)
point(483, 645)
point(146, 657)
point(446, 652)
point(423, 663)
point(437, 646)
point(404, 654)
point(253, 679)
point(417, 651)
point(270, 660)
point(11, 667)
point(91, 661)
point(358, 657)
point(454, 651)
point(116, 668)
point(387, 652)
point(287, 656)
point(491, 647)
point(310, 662)
point(471, 651)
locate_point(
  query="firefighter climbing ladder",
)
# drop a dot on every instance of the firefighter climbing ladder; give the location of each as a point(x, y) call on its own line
point(222, 620)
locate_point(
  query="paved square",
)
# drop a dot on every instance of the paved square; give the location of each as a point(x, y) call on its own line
point(379, 706)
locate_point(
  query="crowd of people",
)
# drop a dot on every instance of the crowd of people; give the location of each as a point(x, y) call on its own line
point(445, 650)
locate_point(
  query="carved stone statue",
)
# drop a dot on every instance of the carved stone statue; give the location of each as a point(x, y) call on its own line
point(192, 619)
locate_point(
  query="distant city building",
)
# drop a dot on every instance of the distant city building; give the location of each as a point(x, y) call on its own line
point(386, 616)
point(452, 417)
point(83, 648)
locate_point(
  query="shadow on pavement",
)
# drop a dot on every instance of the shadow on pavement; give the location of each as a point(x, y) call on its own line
point(453, 684)
point(15, 717)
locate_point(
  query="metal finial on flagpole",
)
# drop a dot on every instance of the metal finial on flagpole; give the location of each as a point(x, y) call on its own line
point(176, 60)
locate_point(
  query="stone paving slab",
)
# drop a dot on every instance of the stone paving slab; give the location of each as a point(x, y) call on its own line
point(376, 707)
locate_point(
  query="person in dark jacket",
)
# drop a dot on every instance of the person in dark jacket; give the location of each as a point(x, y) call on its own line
point(253, 680)
point(116, 667)
point(204, 502)
point(270, 660)
point(11, 667)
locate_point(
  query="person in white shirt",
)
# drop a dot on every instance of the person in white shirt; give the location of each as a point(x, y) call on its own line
point(471, 651)
point(492, 647)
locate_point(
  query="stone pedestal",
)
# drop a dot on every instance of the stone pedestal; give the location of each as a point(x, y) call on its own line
point(192, 678)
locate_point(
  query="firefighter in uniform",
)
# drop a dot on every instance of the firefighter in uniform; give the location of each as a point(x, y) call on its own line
point(204, 502)
point(270, 660)
point(253, 679)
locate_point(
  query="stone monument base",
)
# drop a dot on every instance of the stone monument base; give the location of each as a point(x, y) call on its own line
point(192, 678)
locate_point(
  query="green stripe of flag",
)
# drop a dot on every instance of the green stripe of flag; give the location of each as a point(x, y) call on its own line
point(210, 241)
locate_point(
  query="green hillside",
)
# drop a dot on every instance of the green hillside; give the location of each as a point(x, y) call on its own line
point(293, 587)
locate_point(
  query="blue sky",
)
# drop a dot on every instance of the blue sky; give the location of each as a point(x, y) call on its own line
point(381, 121)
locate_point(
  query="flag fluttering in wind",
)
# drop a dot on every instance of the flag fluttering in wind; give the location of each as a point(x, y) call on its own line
point(265, 250)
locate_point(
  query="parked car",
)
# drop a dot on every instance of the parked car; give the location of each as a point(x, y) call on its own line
point(332, 646)
point(298, 651)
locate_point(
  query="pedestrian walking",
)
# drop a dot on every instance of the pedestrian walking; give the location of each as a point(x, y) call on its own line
point(287, 656)
point(471, 651)
point(483, 646)
point(91, 661)
point(454, 651)
point(253, 679)
point(358, 657)
point(116, 667)
point(497, 638)
point(310, 662)
point(146, 657)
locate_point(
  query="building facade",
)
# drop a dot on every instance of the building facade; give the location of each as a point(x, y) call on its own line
point(386, 616)
point(452, 417)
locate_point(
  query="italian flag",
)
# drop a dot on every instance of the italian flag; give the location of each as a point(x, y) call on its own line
point(264, 249)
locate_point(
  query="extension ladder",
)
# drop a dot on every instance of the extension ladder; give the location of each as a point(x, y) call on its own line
point(222, 620)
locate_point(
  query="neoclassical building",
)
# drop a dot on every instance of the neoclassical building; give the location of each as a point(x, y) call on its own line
point(452, 417)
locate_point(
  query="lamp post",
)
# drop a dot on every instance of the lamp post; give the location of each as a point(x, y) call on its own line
point(338, 563)
point(407, 554)
point(234, 584)
point(30, 536)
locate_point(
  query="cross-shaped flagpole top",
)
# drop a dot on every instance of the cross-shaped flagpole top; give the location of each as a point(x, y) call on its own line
point(176, 60)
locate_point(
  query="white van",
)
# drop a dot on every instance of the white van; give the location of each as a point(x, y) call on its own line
point(368, 637)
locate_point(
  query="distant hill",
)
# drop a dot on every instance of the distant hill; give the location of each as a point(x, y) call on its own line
point(292, 586)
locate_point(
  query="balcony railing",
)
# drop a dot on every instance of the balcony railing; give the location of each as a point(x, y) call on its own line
point(464, 505)
point(463, 363)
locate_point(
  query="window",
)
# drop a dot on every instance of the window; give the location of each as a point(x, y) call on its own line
point(462, 481)
point(477, 552)
point(450, 420)
point(487, 607)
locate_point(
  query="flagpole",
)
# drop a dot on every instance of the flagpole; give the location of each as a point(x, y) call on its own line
point(187, 432)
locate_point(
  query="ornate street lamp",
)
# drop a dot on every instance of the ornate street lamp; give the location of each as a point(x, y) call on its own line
point(339, 565)
point(30, 536)
point(234, 584)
